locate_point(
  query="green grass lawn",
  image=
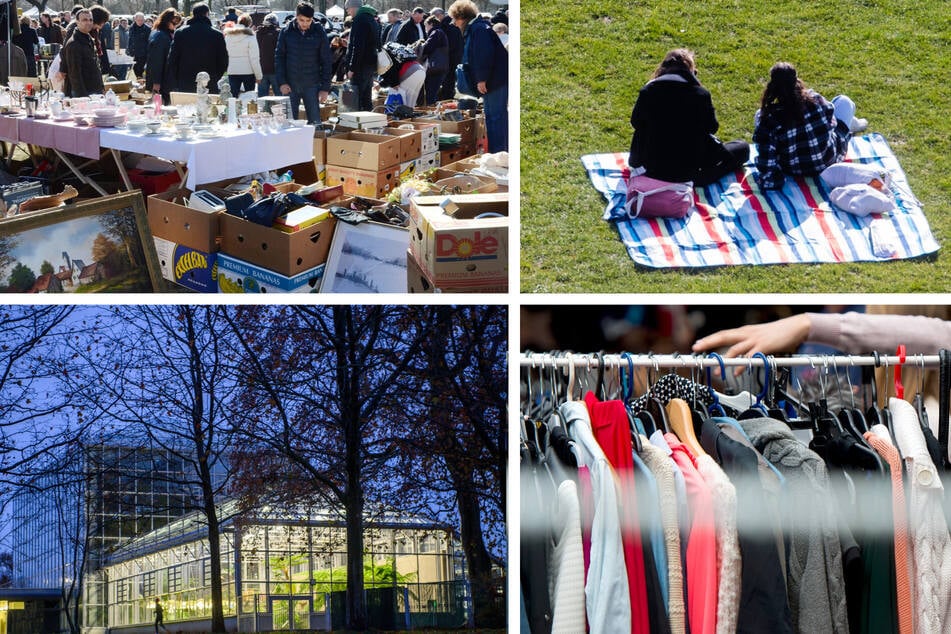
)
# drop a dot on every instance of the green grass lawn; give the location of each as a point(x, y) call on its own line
point(583, 63)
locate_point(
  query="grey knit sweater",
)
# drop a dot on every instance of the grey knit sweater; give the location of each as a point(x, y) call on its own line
point(815, 578)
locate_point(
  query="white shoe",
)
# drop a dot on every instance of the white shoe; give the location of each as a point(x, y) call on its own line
point(858, 125)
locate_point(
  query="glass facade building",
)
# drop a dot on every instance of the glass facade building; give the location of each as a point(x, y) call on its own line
point(286, 570)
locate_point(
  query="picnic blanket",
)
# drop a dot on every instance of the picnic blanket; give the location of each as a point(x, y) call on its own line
point(735, 222)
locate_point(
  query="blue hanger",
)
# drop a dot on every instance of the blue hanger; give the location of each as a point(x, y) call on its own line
point(715, 407)
point(766, 381)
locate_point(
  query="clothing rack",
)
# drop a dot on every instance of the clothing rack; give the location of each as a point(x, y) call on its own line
point(657, 361)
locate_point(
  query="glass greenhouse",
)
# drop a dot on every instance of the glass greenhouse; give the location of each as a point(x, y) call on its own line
point(286, 570)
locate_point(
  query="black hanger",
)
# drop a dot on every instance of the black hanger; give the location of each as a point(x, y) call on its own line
point(758, 409)
point(944, 402)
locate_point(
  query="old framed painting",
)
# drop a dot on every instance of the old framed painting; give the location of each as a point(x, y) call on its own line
point(98, 246)
point(369, 257)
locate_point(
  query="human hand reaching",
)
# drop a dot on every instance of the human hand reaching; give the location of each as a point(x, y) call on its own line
point(776, 336)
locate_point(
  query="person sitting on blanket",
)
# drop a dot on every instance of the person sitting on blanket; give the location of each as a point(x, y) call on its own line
point(797, 131)
point(674, 124)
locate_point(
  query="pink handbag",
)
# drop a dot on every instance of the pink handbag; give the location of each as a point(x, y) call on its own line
point(652, 198)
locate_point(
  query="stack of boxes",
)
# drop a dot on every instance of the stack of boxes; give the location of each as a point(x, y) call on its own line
point(364, 164)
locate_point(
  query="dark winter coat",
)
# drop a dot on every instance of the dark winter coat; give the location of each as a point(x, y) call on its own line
point(267, 44)
point(673, 121)
point(156, 64)
point(79, 58)
point(454, 35)
point(408, 33)
point(303, 60)
point(483, 52)
point(105, 45)
point(28, 41)
point(139, 41)
point(436, 52)
point(364, 40)
point(195, 48)
point(51, 34)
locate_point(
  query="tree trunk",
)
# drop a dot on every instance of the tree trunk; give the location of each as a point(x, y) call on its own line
point(214, 549)
point(486, 613)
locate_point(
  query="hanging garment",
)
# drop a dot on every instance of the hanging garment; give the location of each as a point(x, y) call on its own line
point(702, 589)
point(533, 542)
point(763, 605)
point(901, 560)
point(651, 530)
point(662, 466)
point(930, 543)
point(729, 560)
point(609, 424)
point(815, 580)
point(566, 563)
point(606, 592)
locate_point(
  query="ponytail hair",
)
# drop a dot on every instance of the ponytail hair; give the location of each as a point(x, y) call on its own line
point(785, 96)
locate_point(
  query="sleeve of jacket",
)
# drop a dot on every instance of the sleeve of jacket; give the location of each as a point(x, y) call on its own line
point(480, 55)
point(280, 58)
point(769, 174)
point(74, 70)
point(255, 54)
point(710, 114)
point(171, 65)
point(326, 62)
point(358, 40)
point(221, 54)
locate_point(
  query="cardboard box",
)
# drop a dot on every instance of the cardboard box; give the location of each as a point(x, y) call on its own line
point(466, 165)
point(320, 145)
point(447, 157)
point(453, 246)
point(464, 128)
point(187, 267)
point(427, 162)
point(237, 276)
point(418, 281)
point(367, 183)
point(407, 170)
point(428, 132)
point(360, 150)
point(169, 218)
point(154, 182)
point(284, 253)
point(410, 143)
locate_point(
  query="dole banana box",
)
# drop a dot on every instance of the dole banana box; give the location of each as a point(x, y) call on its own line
point(461, 238)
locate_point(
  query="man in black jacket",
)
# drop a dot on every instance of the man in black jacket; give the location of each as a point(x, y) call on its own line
point(411, 30)
point(448, 89)
point(83, 77)
point(361, 51)
point(197, 47)
point(303, 63)
point(139, 42)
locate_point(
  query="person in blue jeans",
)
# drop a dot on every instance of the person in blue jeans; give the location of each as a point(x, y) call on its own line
point(302, 63)
point(487, 61)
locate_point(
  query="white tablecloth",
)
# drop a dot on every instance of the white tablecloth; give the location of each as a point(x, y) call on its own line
point(238, 153)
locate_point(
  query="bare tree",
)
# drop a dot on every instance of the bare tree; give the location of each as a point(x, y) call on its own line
point(460, 436)
point(324, 387)
point(170, 379)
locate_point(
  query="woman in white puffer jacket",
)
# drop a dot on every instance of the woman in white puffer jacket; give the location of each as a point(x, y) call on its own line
point(244, 58)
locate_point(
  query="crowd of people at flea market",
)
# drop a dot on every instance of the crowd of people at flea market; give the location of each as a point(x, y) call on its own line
point(299, 58)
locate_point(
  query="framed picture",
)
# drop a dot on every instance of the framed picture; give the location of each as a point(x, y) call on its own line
point(100, 246)
point(366, 258)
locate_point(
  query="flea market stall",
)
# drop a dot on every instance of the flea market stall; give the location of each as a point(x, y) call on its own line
point(219, 194)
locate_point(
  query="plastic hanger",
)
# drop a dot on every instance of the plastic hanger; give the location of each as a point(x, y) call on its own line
point(757, 409)
point(919, 400)
point(716, 408)
point(632, 421)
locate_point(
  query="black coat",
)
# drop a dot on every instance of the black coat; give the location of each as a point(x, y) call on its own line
point(454, 35)
point(408, 33)
point(303, 60)
point(81, 63)
point(156, 64)
point(195, 48)
point(267, 45)
point(139, 41)
point(106, 44)
point(27, 41)
point(364, 41)
point(436, 52)
point(673, 122)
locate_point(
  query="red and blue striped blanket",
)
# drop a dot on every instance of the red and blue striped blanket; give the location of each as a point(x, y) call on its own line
point(735, 222)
